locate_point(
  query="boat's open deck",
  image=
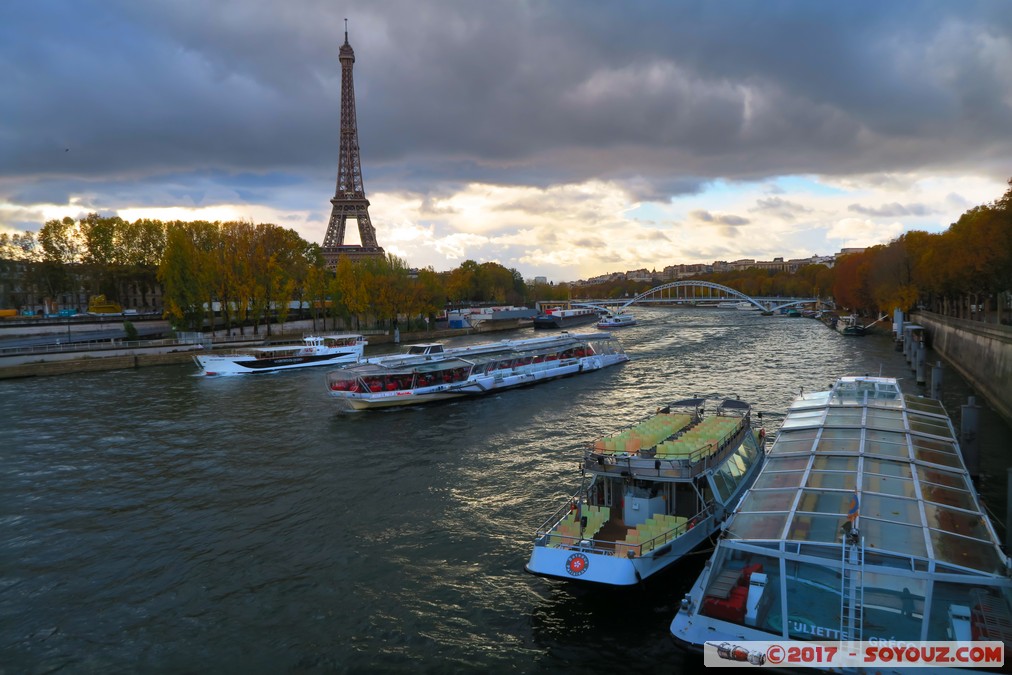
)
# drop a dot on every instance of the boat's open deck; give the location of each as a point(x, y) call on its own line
point(671, 436)
point(610, 535)
point(668, 446)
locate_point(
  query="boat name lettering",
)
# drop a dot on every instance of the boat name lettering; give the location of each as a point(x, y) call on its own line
point(811, 629)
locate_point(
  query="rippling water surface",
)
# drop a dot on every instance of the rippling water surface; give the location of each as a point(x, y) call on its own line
point(156, 521)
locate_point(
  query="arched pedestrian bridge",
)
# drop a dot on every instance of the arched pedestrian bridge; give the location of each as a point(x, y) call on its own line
point(699, 293)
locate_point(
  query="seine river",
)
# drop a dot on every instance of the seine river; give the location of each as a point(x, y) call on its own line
point(155, 521)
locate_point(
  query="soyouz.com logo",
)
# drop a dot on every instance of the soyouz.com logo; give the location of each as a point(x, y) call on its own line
point(797, 654)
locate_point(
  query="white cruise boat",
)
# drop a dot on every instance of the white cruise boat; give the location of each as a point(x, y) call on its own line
point(863, 525)
point(437, 374)
point(657, 491)
point(616, 320)
point(315, 350)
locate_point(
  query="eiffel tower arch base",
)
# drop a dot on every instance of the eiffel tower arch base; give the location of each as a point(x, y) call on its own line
point(331, 254)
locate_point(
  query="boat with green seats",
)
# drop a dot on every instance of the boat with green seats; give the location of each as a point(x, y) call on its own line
point(656, 491)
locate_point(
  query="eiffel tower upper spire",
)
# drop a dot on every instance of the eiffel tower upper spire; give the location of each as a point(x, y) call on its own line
point(349, 197)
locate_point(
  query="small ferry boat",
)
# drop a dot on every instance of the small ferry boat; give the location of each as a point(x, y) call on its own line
point(315, 350)
point(863, 525)
point(616, 320)
point(566, 318)
point(432, 374)
point(848, 325)
point(657, 491)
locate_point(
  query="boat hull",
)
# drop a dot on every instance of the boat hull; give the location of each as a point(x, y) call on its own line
point(604, 568)
point(616, 322)
point(475, 386)
point(551, 321)
point(224, 365)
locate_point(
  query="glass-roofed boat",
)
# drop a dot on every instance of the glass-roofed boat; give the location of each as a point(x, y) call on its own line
point(863, 525)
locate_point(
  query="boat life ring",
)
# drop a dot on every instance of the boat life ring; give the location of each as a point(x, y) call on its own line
point(577, 564)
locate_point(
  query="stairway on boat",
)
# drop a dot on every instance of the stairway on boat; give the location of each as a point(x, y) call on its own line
point(654, 532)
point(567, 532)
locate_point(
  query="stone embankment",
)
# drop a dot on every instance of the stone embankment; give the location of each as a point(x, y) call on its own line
point(981, 352)
point(69, 359)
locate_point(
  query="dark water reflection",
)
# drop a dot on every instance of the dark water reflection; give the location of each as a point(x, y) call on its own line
point(159, 522)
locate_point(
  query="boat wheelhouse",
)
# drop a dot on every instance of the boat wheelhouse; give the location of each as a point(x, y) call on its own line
point(657, 491)
point(863, 525)
point(408, 379)
point(314, 350)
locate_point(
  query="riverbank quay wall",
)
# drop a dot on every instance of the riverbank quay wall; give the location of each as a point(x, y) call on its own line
point(41, 364)
point(981, 352)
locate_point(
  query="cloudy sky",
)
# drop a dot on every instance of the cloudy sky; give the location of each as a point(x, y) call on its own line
point(563, 138)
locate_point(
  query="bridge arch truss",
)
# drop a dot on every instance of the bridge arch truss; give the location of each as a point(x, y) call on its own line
point(715, 292)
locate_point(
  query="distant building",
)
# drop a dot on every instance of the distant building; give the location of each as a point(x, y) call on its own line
point(849, 251)
point(682, 271)
point(640, 275)
point(541, 280)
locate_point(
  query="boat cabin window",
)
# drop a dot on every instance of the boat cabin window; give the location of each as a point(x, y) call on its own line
point(829, 463)
point(840, 417)
point(940, 477)
point(778, 479)
point(758, 525)
point(888, 485)
point(744, 588)
point(425, 349)
point(965, 612)
point(885, 419)
point(788, 444)
point(966, 552)
point(807, 418)
point(879, 534)
point(786, 464)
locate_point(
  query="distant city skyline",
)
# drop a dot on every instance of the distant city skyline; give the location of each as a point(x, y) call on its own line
point(561, 139)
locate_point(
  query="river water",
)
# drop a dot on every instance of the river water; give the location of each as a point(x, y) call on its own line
point(155, 521)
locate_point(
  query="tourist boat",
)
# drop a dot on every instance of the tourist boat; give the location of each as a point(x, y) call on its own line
point(848, 325)
point(315, 350)
point(863, 525)
point(657, 491)
point(566, 318)
point(407, 379)
point(490, 318)
point(610, 320)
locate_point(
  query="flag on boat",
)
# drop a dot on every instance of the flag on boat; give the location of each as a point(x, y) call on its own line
point(855, 506)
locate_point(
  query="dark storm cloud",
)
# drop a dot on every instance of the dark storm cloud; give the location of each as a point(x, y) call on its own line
point(656, 96)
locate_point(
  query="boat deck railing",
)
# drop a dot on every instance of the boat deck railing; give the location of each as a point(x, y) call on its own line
point(701, 455)
point(638, 540)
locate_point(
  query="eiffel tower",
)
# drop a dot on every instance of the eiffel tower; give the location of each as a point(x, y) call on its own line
point(349, 198)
